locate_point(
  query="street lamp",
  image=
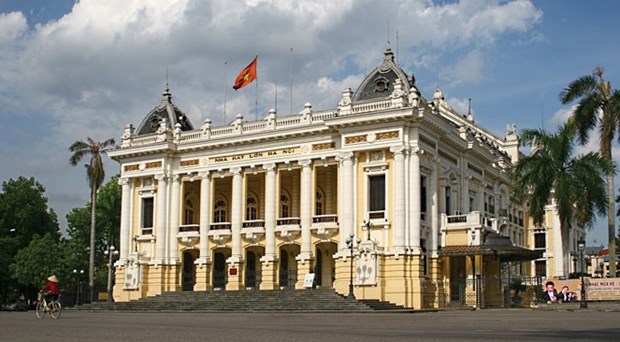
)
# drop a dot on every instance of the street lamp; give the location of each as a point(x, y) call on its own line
point(78, 274)
point(581, 245)
point(351, 244)
point(110, 253)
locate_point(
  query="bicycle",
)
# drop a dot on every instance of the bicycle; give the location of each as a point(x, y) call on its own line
point(53, 307)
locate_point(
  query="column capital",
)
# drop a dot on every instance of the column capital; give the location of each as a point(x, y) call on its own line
point(161, 177)
point(416, 150)
point(235, 170)
point(175, 178)
point(125, 181)
point(305, 163)
point(203, 174)
point(398, 149)
point(269, 167)
point(348, 155)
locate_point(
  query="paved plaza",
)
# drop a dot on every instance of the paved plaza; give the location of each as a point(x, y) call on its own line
point(504, 325)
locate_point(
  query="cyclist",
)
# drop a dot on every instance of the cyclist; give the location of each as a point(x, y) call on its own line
point(50, 289)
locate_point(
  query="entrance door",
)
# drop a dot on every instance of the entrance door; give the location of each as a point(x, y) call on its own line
point(250, 269)
point(458, 281)
point(318, 267)
point(219, 270)
point(284, 274)
point(188, 274)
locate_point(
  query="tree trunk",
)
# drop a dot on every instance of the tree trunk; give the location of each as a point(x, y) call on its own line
point(91, 265)
point(611, 224)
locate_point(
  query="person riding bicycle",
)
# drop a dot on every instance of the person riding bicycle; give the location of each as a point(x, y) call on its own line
point(50, 289)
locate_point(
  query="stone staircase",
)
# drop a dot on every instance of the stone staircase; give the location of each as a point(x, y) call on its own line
point(310, 300)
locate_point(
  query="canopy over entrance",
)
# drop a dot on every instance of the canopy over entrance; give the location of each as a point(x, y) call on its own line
point(494, 244)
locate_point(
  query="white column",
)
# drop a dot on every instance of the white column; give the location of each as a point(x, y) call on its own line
point(160, 229)
point(236, 214)
point(329, 191)
point(270, 212)
point(345, 199)
point(125, 232)
point(416, 208)
point(205, 214)
point(306, 195)
point(175, 208)
point(435, 194)
point(398, 179)
point(464, 189)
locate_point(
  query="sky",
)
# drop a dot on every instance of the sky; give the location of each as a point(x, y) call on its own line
point(76, 69)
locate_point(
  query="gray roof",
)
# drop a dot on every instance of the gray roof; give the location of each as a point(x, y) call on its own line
point(165, 110)
point(380, 82)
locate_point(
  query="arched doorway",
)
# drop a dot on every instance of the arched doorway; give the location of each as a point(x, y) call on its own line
point(219, 269)
point(250, 269)
point(288, 266)
point(188, 271)
point(325, 267)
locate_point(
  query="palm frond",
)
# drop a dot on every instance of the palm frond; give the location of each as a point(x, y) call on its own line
point(583, 86)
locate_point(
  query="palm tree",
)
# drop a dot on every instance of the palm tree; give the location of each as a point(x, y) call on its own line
point(95, 174)
point(552, 173)
point(598, 105)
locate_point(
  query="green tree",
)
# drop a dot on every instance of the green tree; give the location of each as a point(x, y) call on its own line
point(44, 256)
point(95, 174)
point(552, 173)
point(598, 106)
point(23, 214)
point(107, 230)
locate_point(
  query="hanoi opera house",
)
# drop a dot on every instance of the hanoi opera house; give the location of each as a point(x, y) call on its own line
point(411, 192)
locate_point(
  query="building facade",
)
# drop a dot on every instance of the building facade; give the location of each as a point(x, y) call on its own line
point(397, 195)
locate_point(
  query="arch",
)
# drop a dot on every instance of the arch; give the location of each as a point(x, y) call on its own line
point(188, 270)
point(251, 207)
point(325, 265)
point(287, 268)
point(220, 270)
point(319, 201)
point(285, 204)
point(220, 210)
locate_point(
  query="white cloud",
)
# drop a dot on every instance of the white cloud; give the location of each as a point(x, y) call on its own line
point(12, 26)
point(104, 64)
point(560, 117)
point(468, 70)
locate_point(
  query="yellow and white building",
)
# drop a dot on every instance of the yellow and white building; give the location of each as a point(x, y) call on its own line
point(417, 193)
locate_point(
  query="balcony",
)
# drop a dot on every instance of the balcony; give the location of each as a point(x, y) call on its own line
point(220, 233)
point(253, 231)
point(288, 228)
point(184, 228)
point(325, 226)
point(475, 218)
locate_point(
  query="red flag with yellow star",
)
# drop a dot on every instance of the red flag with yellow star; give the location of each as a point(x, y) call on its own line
point(247, 75)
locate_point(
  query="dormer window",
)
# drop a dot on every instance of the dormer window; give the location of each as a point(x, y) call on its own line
point(381, 85)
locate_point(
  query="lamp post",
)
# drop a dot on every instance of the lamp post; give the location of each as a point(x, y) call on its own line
point(110, 252)
point(78, 274)
point(351, 244)
point(581, 245)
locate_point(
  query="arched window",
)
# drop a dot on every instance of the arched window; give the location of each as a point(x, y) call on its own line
point(319, 204)
point(251, 208)
point(219, 211)
point(284, 206)
point(189, 212)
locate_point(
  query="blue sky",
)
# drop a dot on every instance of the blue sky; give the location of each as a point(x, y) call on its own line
point(71, 70)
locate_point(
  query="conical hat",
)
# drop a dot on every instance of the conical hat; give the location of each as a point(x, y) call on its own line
point(53, 279)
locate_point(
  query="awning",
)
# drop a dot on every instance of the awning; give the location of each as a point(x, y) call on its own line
point(494, 244)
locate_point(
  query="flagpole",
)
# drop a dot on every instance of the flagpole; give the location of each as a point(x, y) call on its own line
point(256, 103)
point(291, 105)
point(276, 108)
point(225, 86)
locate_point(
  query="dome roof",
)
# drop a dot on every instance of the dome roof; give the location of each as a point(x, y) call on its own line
point(165, 110)
point(380, 82)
